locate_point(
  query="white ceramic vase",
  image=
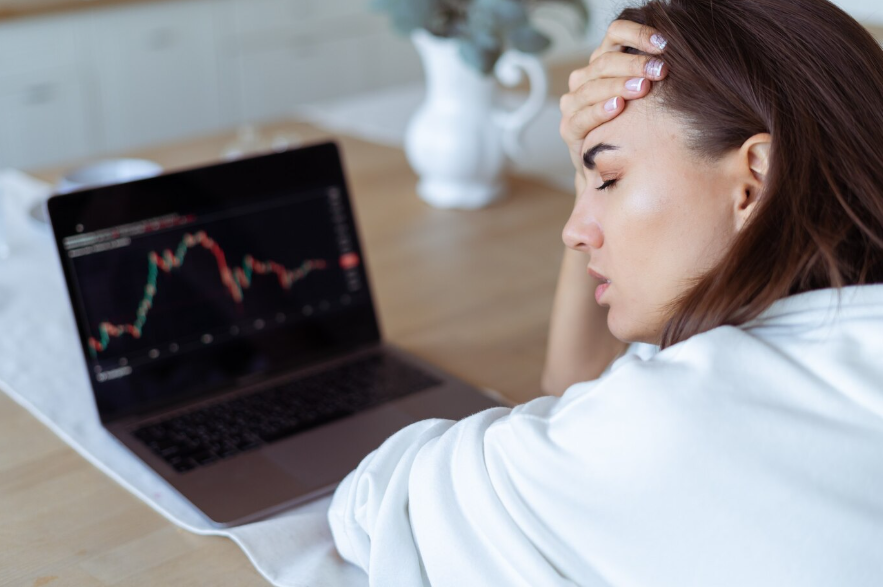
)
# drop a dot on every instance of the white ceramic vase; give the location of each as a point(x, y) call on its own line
point(458, 140)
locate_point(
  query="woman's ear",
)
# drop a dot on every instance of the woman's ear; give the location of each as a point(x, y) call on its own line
point(754, 162)
point(759, 157)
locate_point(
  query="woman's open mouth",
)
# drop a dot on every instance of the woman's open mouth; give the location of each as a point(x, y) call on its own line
point(599, 291)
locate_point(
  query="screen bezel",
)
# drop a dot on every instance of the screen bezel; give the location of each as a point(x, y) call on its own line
point(227, 184)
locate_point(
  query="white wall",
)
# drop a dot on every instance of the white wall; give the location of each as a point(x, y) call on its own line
point(865, 11)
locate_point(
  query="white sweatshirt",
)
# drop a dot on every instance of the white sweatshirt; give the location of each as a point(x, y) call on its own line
point(749, 456)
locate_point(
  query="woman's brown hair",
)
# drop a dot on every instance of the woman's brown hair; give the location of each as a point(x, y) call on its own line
point(811, 76)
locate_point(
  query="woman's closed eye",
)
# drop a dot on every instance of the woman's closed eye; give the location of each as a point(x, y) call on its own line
point(607, 184)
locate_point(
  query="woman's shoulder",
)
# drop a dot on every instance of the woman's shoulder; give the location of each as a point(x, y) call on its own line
point(730, 365)
point(639, 350)
point(712, 359)
point(648, 363)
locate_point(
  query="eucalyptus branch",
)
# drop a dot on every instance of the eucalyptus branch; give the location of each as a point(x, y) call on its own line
point(486, 28)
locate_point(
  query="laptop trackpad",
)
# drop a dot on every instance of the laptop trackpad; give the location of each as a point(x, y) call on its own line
point(325, 455)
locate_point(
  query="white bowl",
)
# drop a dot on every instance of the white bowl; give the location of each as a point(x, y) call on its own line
point(107, 172)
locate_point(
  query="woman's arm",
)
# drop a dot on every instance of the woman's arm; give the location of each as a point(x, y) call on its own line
point(534, 495)
point(440, 503)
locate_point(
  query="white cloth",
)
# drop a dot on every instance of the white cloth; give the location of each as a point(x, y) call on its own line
point(742, 456)
point(41, 368)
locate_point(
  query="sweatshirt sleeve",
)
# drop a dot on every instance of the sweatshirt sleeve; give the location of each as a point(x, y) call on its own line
point(718, 462)
point(436, 504)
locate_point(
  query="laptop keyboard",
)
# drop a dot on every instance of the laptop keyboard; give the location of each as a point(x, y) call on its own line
point(222, 430)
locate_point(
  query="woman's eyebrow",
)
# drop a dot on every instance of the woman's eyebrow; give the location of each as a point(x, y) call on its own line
point(589, 156)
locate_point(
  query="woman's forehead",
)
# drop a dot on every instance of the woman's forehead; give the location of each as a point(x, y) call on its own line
point(642, 125)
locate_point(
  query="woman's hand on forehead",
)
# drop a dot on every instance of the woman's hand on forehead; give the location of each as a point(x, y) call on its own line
point(599, 90)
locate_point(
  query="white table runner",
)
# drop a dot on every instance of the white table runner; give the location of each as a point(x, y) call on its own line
point(41, 369)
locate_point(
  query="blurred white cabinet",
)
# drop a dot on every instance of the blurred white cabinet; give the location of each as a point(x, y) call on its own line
point(113, 79)
point(288, 52)
point(45, 113)
point(393, 60)
point(44, 119)
point(274, 79)
point(157, 72)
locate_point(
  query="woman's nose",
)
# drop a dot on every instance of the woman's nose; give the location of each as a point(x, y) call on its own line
point(582, 234)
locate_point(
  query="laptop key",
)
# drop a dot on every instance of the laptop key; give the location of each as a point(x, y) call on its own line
point(204, 457)
point(182, 465)
point(248, 444)
point(226, 428)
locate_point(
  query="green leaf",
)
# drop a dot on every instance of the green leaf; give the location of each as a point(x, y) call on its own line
point(487, 24)
point(407, 15)
point(480, 58)
point(529, 40)
point(482, 29)
point(507, 13)
point(483, 38)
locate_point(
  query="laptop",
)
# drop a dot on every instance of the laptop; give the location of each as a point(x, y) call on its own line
point(229, 332)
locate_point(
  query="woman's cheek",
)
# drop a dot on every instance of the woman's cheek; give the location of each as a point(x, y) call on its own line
point(650, 201)
point(650, 247)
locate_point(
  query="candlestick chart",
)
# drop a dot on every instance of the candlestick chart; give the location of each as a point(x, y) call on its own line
point(219, 277)
point(235, 280)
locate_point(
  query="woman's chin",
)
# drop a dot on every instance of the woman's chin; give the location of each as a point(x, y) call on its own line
point(615, 327)
point(627, 331)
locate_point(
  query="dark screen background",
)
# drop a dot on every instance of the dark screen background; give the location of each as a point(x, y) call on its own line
point(196, 337)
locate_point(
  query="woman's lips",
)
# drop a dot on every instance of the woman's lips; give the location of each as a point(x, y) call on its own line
point(599, 291)
point(596, 275)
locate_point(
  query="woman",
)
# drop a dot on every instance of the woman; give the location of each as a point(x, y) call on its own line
point(729, 183)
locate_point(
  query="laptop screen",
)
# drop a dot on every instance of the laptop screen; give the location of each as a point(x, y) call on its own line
point(201, 280)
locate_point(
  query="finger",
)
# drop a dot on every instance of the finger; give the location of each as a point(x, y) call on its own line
point(626, 33)
point(600, 90)
point(576, 126)
point(625, 64)
point(613, 64)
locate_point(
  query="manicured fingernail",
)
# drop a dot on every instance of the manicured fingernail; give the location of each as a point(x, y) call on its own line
point(658, 41)
point(611, 104)
point(653, 68)
point(635, 84)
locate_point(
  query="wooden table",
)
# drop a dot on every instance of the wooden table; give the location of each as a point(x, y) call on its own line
point(11, 9)
point(469, 291)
